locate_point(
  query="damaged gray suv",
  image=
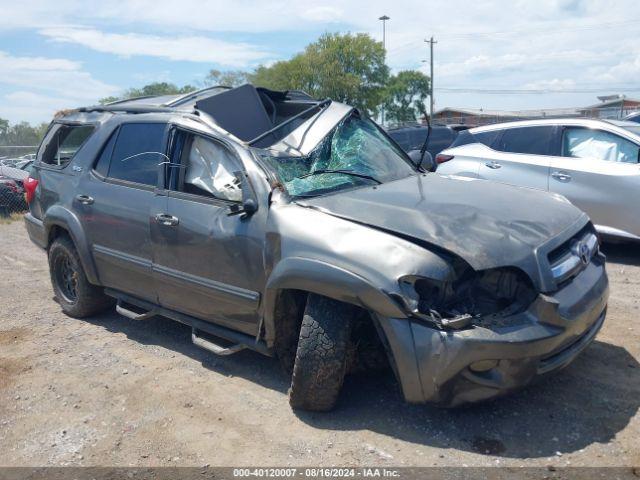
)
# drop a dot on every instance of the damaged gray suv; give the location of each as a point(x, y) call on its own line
point(297, 228)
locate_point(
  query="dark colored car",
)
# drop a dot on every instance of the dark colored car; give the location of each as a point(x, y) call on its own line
point(11, 195)
point(413, 137)
point(296, 228)
point(633, 117)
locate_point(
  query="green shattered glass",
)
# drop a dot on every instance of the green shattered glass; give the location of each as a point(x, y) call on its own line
point(356, 145)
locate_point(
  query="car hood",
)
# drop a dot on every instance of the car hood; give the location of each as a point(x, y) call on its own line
point(487, 224)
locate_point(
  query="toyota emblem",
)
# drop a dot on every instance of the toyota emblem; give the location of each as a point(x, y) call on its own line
point(582, 251)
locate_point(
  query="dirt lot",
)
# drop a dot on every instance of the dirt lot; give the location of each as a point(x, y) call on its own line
point(111, 391)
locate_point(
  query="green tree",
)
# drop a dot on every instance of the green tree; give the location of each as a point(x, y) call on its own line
point(22, 134)
point(4, 127)
point(152, 89)
point(406, 95)
point(347, 68)
point(227, 78)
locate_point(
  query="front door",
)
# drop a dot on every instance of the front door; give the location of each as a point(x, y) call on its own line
point(207, 263)
point(598, 172)
point(114, 202)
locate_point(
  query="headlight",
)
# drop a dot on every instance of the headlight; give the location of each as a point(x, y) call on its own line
point(482, 298)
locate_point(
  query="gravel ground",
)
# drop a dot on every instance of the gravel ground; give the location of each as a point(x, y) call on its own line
point(111, 391)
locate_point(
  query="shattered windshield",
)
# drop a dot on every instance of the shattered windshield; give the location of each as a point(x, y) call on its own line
point(355, 153)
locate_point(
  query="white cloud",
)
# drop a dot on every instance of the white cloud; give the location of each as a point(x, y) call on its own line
point(189, 48)
point(488, 44)
point(57, 75)
point(45, 85)
point(625, 71)
point(323, 13)
point(556, 84)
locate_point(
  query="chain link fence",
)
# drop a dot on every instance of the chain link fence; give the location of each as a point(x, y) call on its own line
point(15, 163)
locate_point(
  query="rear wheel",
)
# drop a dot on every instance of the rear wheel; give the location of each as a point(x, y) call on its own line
point(77, 297)
point(322, 354)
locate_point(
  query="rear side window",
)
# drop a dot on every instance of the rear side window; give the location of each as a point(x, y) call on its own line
point(466, 137)
point(102, 165)
point(401, 137)
point(62, 143)
point(138, 150)
point(529, 140)
point(418, 136)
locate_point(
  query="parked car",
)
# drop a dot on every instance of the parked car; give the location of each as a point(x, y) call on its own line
point(16, 173)
point(413, 137)
point(11, 195)
point(296, 228)
point(9, 162)
point(593, 163)
point(633, 117)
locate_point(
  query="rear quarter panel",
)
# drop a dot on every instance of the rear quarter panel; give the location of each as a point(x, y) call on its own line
point(466, 161)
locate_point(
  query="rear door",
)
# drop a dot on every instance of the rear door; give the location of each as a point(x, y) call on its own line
point(115, 201)
point(468, 151)
point(598, 171)
point(208, 263)
point(521, 157)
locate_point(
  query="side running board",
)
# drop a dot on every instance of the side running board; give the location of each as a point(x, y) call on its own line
point(125, 312)
point(213, 347)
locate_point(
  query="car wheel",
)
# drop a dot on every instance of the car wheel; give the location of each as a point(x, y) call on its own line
point(77, 297)
point(322, 354)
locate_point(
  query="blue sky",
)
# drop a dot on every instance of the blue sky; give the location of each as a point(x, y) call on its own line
point(491, 54)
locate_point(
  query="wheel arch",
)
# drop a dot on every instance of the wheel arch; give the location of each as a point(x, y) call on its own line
point(315, 276)
point(60, 221)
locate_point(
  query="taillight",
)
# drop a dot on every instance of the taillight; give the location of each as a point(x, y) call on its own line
point(30, 185)
point(440, 158)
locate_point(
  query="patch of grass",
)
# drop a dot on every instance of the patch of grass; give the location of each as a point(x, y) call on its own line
point(14, 217)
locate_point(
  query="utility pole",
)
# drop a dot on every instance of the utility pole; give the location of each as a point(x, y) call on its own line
point(431, 42)
point(384, 19)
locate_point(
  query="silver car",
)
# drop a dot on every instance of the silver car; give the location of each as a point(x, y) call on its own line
point(593, 163)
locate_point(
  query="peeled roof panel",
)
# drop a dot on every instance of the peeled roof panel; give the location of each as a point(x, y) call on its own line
point(239, 111)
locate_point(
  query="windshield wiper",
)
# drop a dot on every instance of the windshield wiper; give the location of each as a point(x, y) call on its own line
point(345, 172)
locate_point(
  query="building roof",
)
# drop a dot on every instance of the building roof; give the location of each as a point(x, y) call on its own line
point(480, 112)
point(610, 100)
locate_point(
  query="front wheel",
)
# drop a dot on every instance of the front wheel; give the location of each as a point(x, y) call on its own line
point(321, 358)
point(77, 297)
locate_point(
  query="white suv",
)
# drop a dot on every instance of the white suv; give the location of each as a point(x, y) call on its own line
point(594, 163)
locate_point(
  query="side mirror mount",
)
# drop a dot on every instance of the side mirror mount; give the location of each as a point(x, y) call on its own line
point(248, 206)
point(423, 160)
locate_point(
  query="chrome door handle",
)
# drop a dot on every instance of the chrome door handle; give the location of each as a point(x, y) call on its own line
point(167, 220)
point(561, 176)
point(84, 199)
point(493, 165)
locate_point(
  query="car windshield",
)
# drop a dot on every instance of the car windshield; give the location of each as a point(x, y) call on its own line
point(356, 153)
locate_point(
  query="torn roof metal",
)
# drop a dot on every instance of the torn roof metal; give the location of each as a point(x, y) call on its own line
point(286, 123)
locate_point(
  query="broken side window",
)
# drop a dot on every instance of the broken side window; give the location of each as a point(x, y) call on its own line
point(209, 169)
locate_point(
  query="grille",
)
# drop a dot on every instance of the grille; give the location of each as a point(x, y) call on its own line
point(574, 255)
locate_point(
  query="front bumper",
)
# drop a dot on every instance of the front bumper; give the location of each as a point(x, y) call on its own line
point(440, 367)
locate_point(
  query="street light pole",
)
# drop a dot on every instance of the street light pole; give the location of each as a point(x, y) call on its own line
point(384, 19)
point(431, 42)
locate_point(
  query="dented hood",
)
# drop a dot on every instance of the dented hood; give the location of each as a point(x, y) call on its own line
point(487, 224)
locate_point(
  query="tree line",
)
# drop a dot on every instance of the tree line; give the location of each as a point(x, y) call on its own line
point(348, 68)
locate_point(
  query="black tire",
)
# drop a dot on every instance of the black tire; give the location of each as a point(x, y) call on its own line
point(322, 354)
point(77, 297)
